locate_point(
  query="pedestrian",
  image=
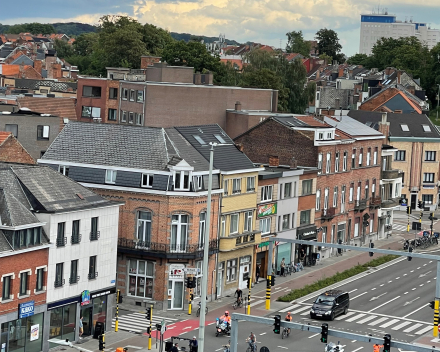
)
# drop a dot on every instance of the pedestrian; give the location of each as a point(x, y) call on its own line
point(81, 327)
point(376, 347)
point(175, 348)
point(193, 345)
point(283, 264)
point(257, 272)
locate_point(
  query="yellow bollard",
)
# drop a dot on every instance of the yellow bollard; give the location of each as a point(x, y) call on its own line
point(268, 293)
point(436, 311)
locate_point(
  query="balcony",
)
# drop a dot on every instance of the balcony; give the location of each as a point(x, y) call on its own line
point(390, 174)
point(73, 280)
point(94, 235)
point(59, 283)
point(75, 238)
point(328, 214)
point(375, 202)
point(165, 250)
point(360, 205)
point(61, 241)
point(390, 203)
point(92, 276)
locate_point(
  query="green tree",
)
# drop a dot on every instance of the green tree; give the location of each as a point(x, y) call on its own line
point(358, 59)
point(63, 49)
point(297, 44)
point(328, 43)
point(155, 39)
point(85, 43)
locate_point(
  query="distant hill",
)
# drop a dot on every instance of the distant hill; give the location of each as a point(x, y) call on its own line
point(187, 37)
point(74, 28)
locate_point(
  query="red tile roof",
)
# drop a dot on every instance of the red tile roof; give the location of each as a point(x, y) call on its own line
point(4, 136)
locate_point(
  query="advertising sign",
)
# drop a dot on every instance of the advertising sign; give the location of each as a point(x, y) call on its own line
point(267, 209)
point(25, 309)
point(35, 332)
point(85, 297)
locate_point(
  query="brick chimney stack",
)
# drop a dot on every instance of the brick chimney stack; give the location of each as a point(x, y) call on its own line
point(384, 125)
point(274, 161)
point(38, 66)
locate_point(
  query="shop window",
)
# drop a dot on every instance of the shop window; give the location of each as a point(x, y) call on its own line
point(427, 198)
point(141, 278)
point(231, 270)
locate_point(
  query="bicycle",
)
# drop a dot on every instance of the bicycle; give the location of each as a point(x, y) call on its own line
point(285, 333)
point(253, 348)
point(237, 304)
point(198, 310)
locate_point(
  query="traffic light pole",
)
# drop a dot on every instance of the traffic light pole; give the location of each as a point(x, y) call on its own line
point(436, 302)
point(269, 274)
point(151, 323)
point(318, 329)
point(249, 296)
point(118, 292)
point(408, 211)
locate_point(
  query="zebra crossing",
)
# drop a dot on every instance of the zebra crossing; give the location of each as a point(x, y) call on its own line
point(368, 319)
point(398, 227)
point(136, 322)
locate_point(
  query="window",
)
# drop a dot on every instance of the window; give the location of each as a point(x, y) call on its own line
point(294, 189)
point(110, 176)
point(24, 284)
point(353, 159)
point(430, 156)
point(59, 281)
point(337, 162)
point(113, 93)
point(147, 180)
point(288, 190)
point(428, 177)
point(223, 226)
point(6, 289)
point(179, 232)
point(371, 223)
point(139, 119)
point(231, 270)
point(124, 94)
point(181, 180)
point(286, 222)
point(361, 156)
point(225, 187)
point(124, 116)
point(140, 96)
point(375, 156)
point(219, 138)
point(94, 92)
point(319, 163)
point(328, 163)
point(307, 187)
point(63, 170)
point(326, 191)
point(366, 189)
point(92, 268)
point(368, 157)
point(265, 225)
point(73, 272)
point(304, 217)
point(344, 162)
point(335, 197)
point(343, 199)
point(13, 129)
point(399, 155)
point(94, 233)
point(236, 185)
point(132, 94)
point(404, 128)
point(248, 220)
point(141, 278)
point(427, 198)
point(320, 135)
point(373, 188)
point(42, 132)
point(90, 111)
point(250, 184)
point(76, 237)
point(198, 277)
point(266, 193)
point(199, 139)
point(198, 182)
point(130, 117)
point(233, 226)
point(112, 114)
point(426, 128)
point(40, 280)
point(202, 229)
point(350, 194)
point(144, 228)
point(61, 241)
point(358, 192)
point(318, 199)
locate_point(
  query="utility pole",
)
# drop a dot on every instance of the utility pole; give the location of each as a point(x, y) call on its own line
point(438, 94)
point(408, 211)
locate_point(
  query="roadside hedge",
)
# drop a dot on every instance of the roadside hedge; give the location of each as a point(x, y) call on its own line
point(322, 283)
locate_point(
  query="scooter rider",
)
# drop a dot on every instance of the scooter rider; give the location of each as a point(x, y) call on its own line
point(226, 318)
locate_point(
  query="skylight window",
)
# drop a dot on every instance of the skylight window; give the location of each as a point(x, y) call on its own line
point(219, 138)
point(426, 128)
point(199, 139)
point(404, 128)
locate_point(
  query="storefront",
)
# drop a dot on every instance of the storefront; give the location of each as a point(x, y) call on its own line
point(305, 252)
point(24, 334)
point(176, 286)
point(244, 273)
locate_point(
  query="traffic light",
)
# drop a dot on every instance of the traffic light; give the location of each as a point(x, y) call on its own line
point(408, 210)
point(366, 217)
point(188, 282)
point(340, 249)
point(387, 343)
point(324, 333)
point(248, 282)
point(149, 330)
point(272, 280)
point(149, 314)
point(158, 327)
point(432, 304)
point(371, 246)
point(268, 283)
point(191, 296)
point(119, 297)
point(101, 342)
point(420, 204)
point(410, 251)
point(277, 324)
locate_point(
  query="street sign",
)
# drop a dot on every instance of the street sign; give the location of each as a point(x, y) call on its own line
point(403, 202)
point(192, 271)
point(163, 328)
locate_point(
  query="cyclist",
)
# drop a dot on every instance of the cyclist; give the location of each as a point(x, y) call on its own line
point(252, 339)
point(239, 294)
point(288, 318)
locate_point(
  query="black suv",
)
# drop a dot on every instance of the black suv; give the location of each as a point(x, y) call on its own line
point(330, 304)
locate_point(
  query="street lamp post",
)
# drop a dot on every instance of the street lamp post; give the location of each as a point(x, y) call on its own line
point(438, 97)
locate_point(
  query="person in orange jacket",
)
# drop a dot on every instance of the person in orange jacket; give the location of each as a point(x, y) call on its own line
point(376, 347)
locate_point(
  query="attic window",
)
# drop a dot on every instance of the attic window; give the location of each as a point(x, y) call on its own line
point(219, 138)
point(404, 128)
point(426, 128)
point(199, 139)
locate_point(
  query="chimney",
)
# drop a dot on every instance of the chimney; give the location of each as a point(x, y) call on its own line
point(237, 106)
point(38, 66)
point(341, 72)
point(384, 125)
point(56, 71)
point(149, 61)
point(337, 103)
point(274, 161)
point(317, 73)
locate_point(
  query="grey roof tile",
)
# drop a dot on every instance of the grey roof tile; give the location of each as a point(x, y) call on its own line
point(351, 127)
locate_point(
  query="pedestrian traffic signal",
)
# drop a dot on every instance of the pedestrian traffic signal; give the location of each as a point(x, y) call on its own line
point(277, 324)
point(158, 327)
point(420, 204)
point(272, 280)
point(118, 297)
point(191, 296)
point(432, 304)
point(410, 251)
point(371, 246)
point(340, 249)
point(408, 210)
point(101, 342)
point(268, 283)
point(248, 283)
point(149, 330)
point(387, 343)
point(149, 314)
point(324, 333)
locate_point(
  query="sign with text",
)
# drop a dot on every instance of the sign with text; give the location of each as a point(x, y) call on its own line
point(85, 297)
point(192, 271)
point(25, 309)
point(267, 209)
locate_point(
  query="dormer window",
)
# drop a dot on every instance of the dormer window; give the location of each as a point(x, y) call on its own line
point(181, 180)
point(63, 169)
point(110, 176)
point(147, 180)
point(329, 135)
point(320, 136)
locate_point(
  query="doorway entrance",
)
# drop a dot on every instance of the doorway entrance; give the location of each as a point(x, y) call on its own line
point(413, 201)
point(176, 293)
point(87, 314)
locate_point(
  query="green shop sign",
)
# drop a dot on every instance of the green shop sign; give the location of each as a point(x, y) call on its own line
point(267, 209)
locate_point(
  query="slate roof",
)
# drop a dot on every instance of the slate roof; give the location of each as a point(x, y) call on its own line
point(36, 83)
point(351, 127)
point(226, 158)
point(414, 122)
point(112, 145)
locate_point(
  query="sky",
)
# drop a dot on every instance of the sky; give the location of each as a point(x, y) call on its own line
point(261, 21)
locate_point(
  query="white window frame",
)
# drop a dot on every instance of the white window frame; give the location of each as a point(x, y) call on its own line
point(328, 163)
point(202, 228)
point(344, 161)
point(266, 193)
point(287, 184)
point(182, 229)
point(181, 186)
point(63, 169)
point(248, 218)
point(285, 221)
point(337, 162)
point(223, 226)
point(319, 163)
point(350, 192)
point(430, 155)
point(199, 182)
point(265, 224)
point(343, 199)
point(250, 184)
point(149, 178)
point(375, 156)
point(335, 197)
point(144, 237)
point(326, 191)
point(231, 270)
point(361, 156)
point(110, 176)
point(225, 187)
point(428, 177)
point(236, 185)
point(318, 200)
point(368, 157)
point(233, 230)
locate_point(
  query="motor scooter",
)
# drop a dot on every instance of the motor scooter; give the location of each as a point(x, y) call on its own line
point(221, 327)
point(332, 347)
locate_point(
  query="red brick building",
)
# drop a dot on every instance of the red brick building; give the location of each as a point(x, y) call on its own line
point(348, 155)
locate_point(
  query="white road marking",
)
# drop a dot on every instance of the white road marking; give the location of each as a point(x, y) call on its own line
point(313, 335)
point(421, 285)
point(381, 285)
point(418, 268)
point(187, 327)
point(425, 264)
point(430, 261)
point(357, 349)
point(426, 329)
point(300, 310)
point(415, 288)
point(428, 281)
point(411, 328)
point(286, 348)
point(289, 308)
point(388, 323)
point(397, 278)
point(358, 295)
point(406, 293)
point(397, 327)
point(405, 274)
point(345, 316)
point(355, 317)
point(411, 271)
point(384, 304)
point(390, 281)
point(374, 298)
point(352, 290)
point(416, 310)
point(263, 333)
point(371, 317)
point(373, 288)
point(378, 321)
point(253, 304)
